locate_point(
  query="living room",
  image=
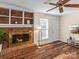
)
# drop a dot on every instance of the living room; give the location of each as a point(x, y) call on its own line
point(36, 30)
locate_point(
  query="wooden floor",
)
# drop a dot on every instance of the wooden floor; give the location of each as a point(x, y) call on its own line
point(55, 50)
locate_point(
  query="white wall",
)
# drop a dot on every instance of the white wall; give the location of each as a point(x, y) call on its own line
point(53, 27)
point(13, 6)
point(53, 22)
point(67, 20)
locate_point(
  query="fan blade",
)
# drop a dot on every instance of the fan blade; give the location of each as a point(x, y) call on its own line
point(61, 9)
point(52, 4)
point(65, 1)
point(51, 9)
point(72, 5)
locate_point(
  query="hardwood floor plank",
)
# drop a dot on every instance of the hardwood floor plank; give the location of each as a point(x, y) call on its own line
point(54, 50)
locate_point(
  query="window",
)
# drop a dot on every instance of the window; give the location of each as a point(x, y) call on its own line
point(44, 28)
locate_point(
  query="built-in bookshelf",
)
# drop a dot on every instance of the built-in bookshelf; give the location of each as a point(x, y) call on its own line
point(28, 18)
point(15, 17)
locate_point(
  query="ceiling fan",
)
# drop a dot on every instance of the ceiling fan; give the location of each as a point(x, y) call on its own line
point(62, 3)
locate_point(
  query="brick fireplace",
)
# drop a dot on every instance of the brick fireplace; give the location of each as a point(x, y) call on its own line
point(18, 35)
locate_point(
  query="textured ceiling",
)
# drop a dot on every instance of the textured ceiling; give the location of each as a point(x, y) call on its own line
point(39, 6)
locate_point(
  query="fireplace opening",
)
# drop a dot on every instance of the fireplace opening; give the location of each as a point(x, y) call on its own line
point(20, 37)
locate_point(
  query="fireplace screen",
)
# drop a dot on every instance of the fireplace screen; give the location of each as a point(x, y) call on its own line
point(20, 37)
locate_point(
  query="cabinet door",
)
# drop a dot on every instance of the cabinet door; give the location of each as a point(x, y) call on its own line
point(16, 20)
point(4, 20)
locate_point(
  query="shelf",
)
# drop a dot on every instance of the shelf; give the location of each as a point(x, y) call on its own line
point(16, 17)
point(11, 16)
point(28, 18)
point(4, 16)
point(15, 25)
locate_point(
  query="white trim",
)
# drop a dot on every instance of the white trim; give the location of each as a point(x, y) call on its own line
point(15, 25)
point(9, 16)
point(23, 18)
point(16, 17)
point(4, 16)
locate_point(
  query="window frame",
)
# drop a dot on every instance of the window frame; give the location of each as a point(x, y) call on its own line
point(44, 29)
